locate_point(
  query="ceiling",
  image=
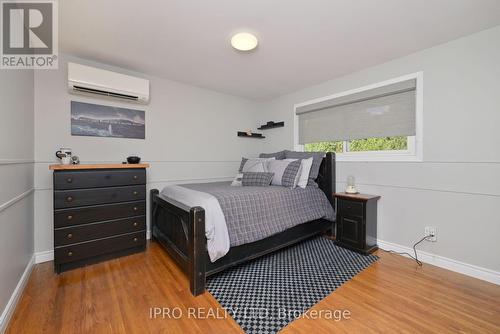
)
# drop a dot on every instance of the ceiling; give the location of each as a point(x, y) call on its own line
point(302, 43)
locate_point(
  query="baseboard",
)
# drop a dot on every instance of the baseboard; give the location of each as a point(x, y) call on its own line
point(446, 263)
point(46, 256)
point(16, 295)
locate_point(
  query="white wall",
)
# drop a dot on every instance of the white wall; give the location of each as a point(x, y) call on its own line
point(16, 183)
point(457, 187)
point(190, 136)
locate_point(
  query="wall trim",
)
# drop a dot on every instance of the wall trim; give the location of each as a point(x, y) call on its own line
point(446, 263)
point(16, 199)
point(422, 189)
point(16, 161)
point(44, 256)
point(16, 296)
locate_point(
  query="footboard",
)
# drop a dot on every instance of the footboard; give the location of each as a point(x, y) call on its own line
point(181, 231)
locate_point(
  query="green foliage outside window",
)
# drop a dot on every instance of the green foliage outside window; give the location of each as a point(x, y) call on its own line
point(334, 146)
point(378, 144)
point(359, 145)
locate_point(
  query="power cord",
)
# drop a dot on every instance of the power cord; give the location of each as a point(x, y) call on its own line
point(414, 250)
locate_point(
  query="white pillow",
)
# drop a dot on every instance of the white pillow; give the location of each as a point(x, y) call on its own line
point(250, 163)
point(258, 168)
point(305, 165)
point(238, 180)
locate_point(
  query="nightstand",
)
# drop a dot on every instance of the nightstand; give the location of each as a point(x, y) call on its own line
point(357, 222)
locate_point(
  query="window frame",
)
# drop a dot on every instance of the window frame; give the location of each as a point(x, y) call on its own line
point(415, 143)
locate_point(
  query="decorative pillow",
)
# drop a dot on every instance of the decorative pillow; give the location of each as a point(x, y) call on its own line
point(278, 155)
point(254, 179)
point(247, 164)
point(257, 168)
point(237, 182)
point(317, 159)
point(286, 172)
point(305, 169)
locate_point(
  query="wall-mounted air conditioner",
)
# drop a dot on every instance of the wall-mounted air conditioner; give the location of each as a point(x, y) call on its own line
point(94, 81)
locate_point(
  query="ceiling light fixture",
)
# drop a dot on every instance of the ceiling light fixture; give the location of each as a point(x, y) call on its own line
point(244, 41)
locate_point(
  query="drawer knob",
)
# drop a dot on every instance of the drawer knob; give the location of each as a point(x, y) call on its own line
point(136, 208)
point(135, 224)
point(136, 193)
point(70, 253)
point(69, 199)
point(136, 177)
point(69, 236)
point(69, 180)
point(70, 217)
point(135, 239)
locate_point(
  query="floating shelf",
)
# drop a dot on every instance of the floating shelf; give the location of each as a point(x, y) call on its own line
point(253, 135)
point(272, 125)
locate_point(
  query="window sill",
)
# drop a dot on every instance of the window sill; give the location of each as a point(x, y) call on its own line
point(377, 157)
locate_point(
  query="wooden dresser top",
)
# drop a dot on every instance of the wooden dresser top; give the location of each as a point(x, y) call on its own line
point(97, 166)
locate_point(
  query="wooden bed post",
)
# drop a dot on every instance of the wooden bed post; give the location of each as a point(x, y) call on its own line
point(153, 207)
point(197, 251)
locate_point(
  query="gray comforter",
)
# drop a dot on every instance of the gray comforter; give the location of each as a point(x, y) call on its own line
point(254, 213)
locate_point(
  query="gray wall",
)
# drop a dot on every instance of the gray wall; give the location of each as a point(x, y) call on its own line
point(457, 186)
point(16, 178)
point(190, 136)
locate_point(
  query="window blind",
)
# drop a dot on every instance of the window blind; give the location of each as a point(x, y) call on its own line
point(380, 112)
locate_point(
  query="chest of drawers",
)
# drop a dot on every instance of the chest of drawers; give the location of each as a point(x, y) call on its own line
point(99, 213)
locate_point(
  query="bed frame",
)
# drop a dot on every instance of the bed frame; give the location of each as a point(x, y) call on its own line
point(181, 231)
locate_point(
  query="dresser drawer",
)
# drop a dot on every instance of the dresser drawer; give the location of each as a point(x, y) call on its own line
point(64, 180)
point(83, 197)
point(350, 208)
point(75, 234)
point(99, 247)
point(85, 215)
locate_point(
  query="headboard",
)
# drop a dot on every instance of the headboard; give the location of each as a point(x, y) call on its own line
point(326, 177)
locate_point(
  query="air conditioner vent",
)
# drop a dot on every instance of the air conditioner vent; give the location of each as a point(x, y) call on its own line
point(95, 81)
point(102, 92)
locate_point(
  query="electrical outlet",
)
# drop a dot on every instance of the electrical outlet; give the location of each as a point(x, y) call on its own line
point(431, 231)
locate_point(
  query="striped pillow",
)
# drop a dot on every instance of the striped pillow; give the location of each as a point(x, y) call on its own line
point(256, 179)
point(286, 172)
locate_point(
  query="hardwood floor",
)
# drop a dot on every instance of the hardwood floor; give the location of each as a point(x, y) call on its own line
point(392, 295)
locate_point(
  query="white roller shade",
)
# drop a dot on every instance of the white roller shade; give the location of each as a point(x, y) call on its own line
point(380, 112)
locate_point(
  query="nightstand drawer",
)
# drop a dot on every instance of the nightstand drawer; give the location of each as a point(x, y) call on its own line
point(64, 180)
point(99, 247)
point(84, 197)
point(350, 208)
point(97, 213)
point(76, 234)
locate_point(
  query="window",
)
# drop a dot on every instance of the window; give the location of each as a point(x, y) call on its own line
point(381, 122)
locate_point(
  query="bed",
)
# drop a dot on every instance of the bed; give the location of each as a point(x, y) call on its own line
point(181, 230)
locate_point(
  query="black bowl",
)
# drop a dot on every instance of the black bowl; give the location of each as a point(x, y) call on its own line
point(133, 160)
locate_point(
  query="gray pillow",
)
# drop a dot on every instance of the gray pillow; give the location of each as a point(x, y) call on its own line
point(317, 159)
point(255, 179)
point(278, 155)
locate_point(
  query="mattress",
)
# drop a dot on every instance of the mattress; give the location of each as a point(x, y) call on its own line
point(252, 213)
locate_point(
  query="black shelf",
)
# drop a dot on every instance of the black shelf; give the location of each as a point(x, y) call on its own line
point(272, 125)
point(253, 135)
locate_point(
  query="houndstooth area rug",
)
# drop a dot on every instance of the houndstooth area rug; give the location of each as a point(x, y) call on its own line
point(266, 294)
